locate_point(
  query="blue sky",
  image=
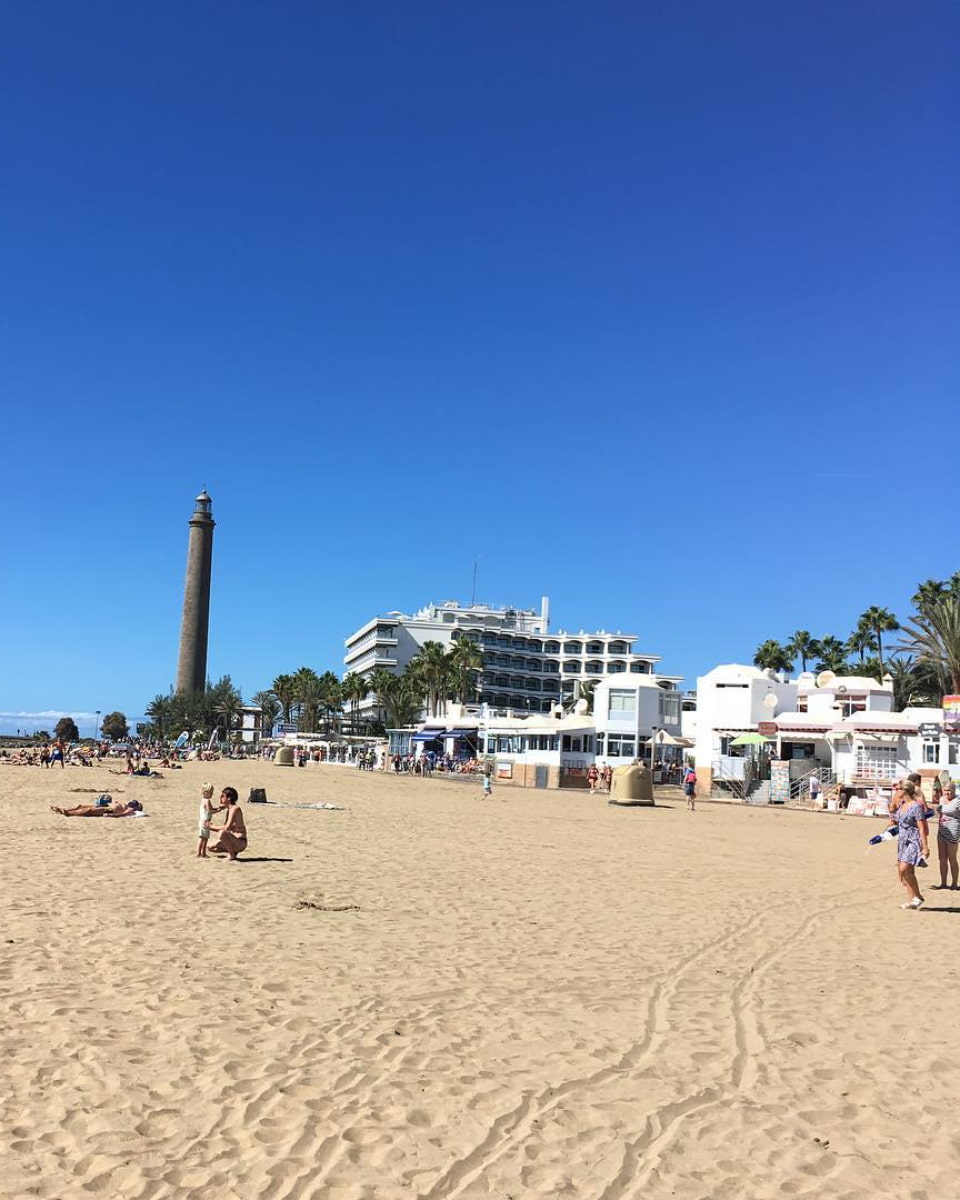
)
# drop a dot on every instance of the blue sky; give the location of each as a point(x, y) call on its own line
point(651, 308)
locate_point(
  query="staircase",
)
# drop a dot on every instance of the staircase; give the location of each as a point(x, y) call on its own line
point(800, 786)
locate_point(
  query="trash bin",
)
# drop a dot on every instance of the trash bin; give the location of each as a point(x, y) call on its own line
point(632, 786)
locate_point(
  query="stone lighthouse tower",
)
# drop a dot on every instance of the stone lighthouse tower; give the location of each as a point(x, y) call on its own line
point(192, 665)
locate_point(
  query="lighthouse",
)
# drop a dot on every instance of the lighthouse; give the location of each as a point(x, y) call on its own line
point(192, 664)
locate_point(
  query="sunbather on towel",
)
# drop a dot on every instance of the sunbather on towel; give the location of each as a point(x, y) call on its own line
point(130, 809)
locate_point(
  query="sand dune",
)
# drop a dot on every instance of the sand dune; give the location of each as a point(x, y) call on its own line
point(431, 995)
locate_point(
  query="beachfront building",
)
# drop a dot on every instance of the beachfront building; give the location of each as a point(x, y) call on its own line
point(632, 712)
point(251, 722)
point(733, 700)
point(526, 668)
point(841, 728)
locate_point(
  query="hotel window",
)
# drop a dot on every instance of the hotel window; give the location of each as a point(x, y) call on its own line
point(931, 752)
point(669, 708)
point(551, 648)
point(574, 648)
point(639, 668)
point(618, 648)
point(622, 700)
point(594, 647)
point(616, 668)
point(571, 668)
point(621, 747)
point(849, 705)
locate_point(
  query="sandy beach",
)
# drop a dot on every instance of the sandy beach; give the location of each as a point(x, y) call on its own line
point(431, 995)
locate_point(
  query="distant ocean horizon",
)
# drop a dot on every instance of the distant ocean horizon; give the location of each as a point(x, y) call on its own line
point(27, 723)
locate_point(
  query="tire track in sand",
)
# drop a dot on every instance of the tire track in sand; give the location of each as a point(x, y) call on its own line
point(642, 1154)
point(508, 1126)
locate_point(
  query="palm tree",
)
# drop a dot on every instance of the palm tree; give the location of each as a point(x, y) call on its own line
point(927, 593)
point(309, 693)
point(381, 680)
point(159, 710)
point(464, 659)
point(862, 640)
point(803, 646)
point(355, 689)
point(285, 690)
point(832, 655)
point(933, 636)
point(403, 700)
point(880, 621)
point(585, 692)
point(269, 707)
point(226, 709)
point(907, 680)
point(430, 665)
point(771, 656)
point(332, 703)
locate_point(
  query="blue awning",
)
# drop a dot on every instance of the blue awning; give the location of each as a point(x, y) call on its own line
point(428, 735)
point(460, 733)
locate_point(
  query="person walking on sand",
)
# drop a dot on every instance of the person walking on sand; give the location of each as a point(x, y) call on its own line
point(948, 834)
point(206, 816)
point(593, 775)
point(233, 832)
point(690, 787)
point(487, 783)
point(913, 847)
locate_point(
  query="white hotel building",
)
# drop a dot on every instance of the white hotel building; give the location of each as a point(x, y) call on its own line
point(526, 668)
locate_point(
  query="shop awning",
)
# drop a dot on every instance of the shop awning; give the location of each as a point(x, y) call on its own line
point(667, 739)
point(460, 733)
point(427, 735)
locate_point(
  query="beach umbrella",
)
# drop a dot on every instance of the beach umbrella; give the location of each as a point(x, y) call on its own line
point(751, 739)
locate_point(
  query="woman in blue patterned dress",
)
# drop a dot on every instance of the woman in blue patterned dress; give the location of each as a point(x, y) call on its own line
point(912, 840)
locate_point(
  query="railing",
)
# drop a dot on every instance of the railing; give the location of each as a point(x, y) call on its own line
point(801, 785)
point(733, 777)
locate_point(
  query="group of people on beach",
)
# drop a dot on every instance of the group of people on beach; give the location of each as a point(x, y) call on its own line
point(909, 810)
point(231, 835)
point(599, 779)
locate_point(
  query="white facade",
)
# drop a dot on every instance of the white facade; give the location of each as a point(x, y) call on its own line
point(628, 712)
point(525, 667)
point(251, 718)
point(734, 699)
point(846, 730)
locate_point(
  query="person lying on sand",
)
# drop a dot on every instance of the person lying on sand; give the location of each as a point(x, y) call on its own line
point(130, 809)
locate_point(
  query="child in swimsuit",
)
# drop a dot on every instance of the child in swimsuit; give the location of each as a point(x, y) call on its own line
point(206, 816)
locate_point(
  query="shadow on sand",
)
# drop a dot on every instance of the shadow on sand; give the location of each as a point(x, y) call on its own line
point(246, 859)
